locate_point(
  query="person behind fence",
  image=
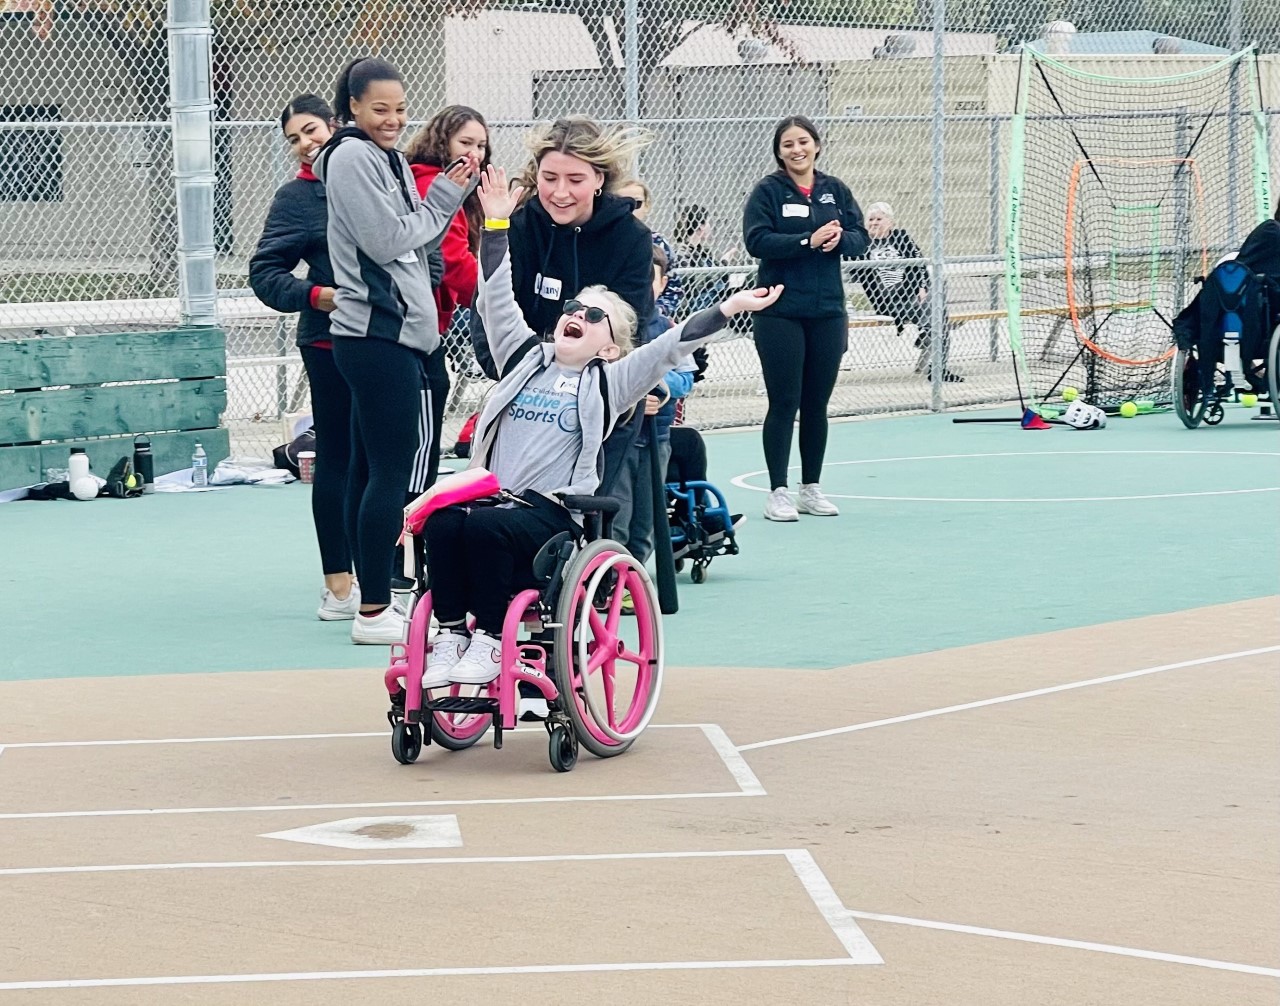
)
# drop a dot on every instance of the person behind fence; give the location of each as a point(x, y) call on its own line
point(693, 251)
point(384, 323)
point(799, 222)
point(901, 291)
point(574, 231)
point(296, 231)
point(669, 302)
point(453, 132)
point(633, 523)
point(541, 433)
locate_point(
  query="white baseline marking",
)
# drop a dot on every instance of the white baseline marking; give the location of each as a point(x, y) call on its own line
point(741, 481)
point(848, 932)
point(802, 863)
point(1052, 941)
point(531, 969)
point(272, 864)
point(998, 700)
point(737, 766)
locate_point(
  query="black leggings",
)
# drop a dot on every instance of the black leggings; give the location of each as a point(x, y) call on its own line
point(800, 358)
point(435, 390)
point(331, 415)
point(479, 558)
point(386, 384)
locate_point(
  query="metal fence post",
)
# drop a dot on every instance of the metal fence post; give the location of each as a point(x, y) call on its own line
point(190, 31)
point(938, 288)
point(631, 59)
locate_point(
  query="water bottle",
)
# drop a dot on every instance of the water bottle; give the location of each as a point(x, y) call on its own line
point(199, 467)
point(81, 483)
point(144, 463)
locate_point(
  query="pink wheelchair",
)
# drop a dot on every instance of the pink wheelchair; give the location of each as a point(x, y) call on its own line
point(600, 671)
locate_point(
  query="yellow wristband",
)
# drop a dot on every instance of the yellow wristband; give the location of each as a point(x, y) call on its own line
point(490, 224)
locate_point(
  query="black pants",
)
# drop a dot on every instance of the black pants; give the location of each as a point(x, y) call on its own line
point(479, 558)
point(434, 394)
point(800, 359)
point(331, 415)
point(385, 379)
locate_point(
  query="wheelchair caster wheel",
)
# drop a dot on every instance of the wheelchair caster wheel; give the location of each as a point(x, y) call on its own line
point(563, 749)
point(406, 742)
point(699, 573)
point(1214, 414)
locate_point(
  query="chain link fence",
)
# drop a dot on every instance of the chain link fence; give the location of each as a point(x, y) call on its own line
point(87, 210)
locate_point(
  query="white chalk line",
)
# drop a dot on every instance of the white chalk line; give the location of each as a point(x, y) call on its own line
point(1053, 941)
point(815, 883)
point(741, 481)
point(1000, 699)
point(530, 969)
point(748, 784)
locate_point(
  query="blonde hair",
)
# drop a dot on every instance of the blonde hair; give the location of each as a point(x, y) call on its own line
point(612, 151)
point(622, 317)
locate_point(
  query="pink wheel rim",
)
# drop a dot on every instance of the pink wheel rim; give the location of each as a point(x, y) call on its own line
point(607, 649)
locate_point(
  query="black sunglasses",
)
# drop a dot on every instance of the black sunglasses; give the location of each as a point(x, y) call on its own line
point(594, 315)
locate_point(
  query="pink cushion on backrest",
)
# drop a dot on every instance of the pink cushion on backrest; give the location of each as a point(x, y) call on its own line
point(461, 487)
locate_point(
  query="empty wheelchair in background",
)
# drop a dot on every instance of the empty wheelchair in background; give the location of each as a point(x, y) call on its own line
point(565, 636)
point(1228, 345)
point(698, 514)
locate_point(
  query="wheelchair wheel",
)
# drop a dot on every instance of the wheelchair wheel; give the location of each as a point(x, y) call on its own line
point(608, 666)
point(406, 742)
point(1273, 372)
point(699, 572)
point(1188, 402)
point(459, 731)
point(562, 748)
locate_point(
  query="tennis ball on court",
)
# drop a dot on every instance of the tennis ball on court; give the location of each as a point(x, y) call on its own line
point(1248, 401)
point(1070, 394)
point(1128, 410)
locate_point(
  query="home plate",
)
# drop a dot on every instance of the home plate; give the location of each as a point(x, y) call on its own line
point(430, 831)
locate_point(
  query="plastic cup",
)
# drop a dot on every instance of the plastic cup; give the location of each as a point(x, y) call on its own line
point(307, 466)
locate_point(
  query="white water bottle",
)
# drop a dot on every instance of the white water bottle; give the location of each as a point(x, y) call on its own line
point(81, 483)
point(199, 467)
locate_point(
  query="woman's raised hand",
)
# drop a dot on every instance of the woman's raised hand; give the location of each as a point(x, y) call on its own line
point(497, 198)
point(751, 300)
point(463, 168)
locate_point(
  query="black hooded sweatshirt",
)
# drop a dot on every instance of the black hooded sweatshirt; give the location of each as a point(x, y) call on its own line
point(551, 263)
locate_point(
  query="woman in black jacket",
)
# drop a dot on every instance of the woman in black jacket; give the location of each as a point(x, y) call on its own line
point(799, 223)
point(295, 232)
point(575, 231)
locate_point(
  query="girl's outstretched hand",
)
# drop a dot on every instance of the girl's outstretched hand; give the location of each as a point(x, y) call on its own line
point(751, 300)
point(497, 198)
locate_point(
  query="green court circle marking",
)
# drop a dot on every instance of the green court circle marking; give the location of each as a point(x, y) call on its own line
point(741, 480)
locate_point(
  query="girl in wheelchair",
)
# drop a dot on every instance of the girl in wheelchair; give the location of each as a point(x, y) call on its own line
point(542, 433)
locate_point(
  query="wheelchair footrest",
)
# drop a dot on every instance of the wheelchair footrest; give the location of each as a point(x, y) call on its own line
point(463, 704)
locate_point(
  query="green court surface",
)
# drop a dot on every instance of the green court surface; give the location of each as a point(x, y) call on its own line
point(950, 535)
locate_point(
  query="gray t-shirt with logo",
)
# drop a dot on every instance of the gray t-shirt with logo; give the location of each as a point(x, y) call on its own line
point(539, 436)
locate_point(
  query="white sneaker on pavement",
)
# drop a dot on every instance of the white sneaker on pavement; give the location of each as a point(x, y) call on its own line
point(812, 502)
point(779, 506)
point(443, 654)
point(386, 627)
point(335, 609)
point(481, 663)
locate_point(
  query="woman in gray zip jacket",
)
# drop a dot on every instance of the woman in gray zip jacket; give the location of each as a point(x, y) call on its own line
point(384, 323)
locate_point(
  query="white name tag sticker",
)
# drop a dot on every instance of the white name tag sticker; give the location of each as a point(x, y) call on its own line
point(566, 384)
point(408, 257)
point(548, 287)
point(795, 209)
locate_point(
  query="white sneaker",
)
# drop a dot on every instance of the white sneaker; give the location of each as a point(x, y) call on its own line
point(532, 709)
point(333, 609)
point(481, 663)
point(443, 654)
point(812, 502)
point(383, 629)
point(779, 506)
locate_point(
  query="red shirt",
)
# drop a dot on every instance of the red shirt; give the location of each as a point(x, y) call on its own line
point(460, 267)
